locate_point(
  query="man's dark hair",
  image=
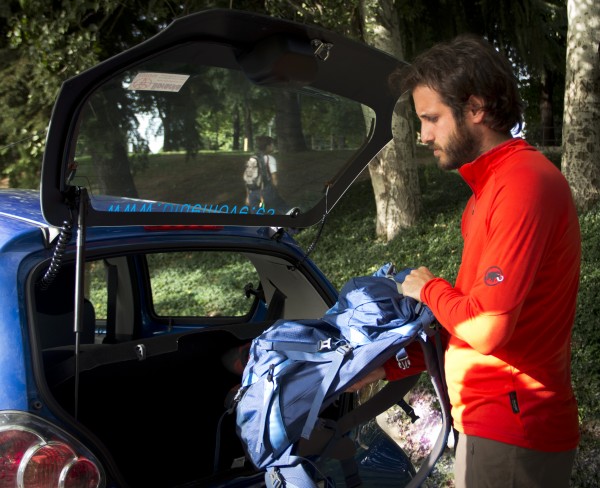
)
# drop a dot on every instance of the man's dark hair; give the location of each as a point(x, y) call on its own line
point(466, 66)
point(263, 141)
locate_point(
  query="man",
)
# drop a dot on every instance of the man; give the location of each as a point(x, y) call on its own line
point(509, 316)
point(265, 195)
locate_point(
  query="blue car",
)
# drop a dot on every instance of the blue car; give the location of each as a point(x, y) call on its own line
point(135, 278)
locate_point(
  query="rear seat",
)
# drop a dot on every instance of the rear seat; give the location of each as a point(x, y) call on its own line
point(59, 362)
point(55, 313)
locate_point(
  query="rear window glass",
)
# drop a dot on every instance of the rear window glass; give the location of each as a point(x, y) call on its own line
point(186, 284)
point(173, 136)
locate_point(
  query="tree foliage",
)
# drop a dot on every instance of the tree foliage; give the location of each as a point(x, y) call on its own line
point(43, 47)
point(43, 43)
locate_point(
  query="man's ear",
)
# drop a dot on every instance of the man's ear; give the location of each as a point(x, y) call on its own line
point(475, 109)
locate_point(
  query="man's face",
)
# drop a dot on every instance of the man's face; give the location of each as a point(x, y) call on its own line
point(453, 144)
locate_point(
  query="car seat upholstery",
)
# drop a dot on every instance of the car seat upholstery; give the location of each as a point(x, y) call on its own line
point(58, 329)
point(55, 313)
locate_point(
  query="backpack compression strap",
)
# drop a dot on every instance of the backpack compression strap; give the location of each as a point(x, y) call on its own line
point(334, 353)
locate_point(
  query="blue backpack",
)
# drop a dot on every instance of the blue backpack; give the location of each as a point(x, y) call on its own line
point(298, 368)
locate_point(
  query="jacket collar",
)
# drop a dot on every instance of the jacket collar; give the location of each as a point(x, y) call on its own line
point(477, 172)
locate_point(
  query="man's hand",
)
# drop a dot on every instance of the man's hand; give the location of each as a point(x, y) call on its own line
point(375, 375)
point(415, 281)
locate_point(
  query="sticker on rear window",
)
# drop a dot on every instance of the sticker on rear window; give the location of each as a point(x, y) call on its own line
point(185, 208)
point(166, 82)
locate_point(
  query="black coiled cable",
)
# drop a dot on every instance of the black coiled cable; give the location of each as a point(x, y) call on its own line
point(66, 232)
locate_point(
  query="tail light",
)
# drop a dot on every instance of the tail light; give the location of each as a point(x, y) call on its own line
point(36, 454)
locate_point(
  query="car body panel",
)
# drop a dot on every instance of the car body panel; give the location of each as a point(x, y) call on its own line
point(20, 235)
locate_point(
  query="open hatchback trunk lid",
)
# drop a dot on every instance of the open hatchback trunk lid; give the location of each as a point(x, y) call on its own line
point(170, 123)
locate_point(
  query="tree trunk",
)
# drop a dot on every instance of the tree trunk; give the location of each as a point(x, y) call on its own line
point(288, 124)
point(394, 170)
point(248, 144)
point(237, 129)
point(108, 148)
point(581, 132)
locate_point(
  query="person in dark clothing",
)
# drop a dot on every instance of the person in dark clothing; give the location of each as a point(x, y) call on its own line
point(264, 194)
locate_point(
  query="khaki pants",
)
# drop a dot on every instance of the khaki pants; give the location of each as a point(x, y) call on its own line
point(483, 463)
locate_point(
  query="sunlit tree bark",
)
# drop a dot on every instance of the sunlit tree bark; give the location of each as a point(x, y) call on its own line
point(394, 171)
point(581, 133)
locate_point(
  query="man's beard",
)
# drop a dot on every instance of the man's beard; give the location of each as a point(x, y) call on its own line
point(463, 147)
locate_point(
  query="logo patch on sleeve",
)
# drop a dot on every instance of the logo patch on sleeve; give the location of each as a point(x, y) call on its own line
point(493, 276)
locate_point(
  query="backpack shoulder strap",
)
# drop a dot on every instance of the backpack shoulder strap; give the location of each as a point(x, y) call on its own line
point(395, 390)
point(392, 393)
point(263, 166)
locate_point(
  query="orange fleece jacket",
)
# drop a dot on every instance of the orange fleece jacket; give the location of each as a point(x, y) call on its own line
point(511, 312)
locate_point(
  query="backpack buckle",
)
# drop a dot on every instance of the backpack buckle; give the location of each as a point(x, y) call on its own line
point(239, 394)
point(270, 373)
point(404, 363)
point(344, 349)
point(403, 359)
point(326, 344)
point(275, 479)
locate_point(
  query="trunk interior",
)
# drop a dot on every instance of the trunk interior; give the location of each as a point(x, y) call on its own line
point(156, 403)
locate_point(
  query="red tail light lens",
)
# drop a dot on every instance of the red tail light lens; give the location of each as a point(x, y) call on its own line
point(43, 464)
point(13, 445)
point(82, 474)
point(33, 457)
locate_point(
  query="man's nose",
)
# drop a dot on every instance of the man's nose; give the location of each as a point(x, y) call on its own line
point(426, 135)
